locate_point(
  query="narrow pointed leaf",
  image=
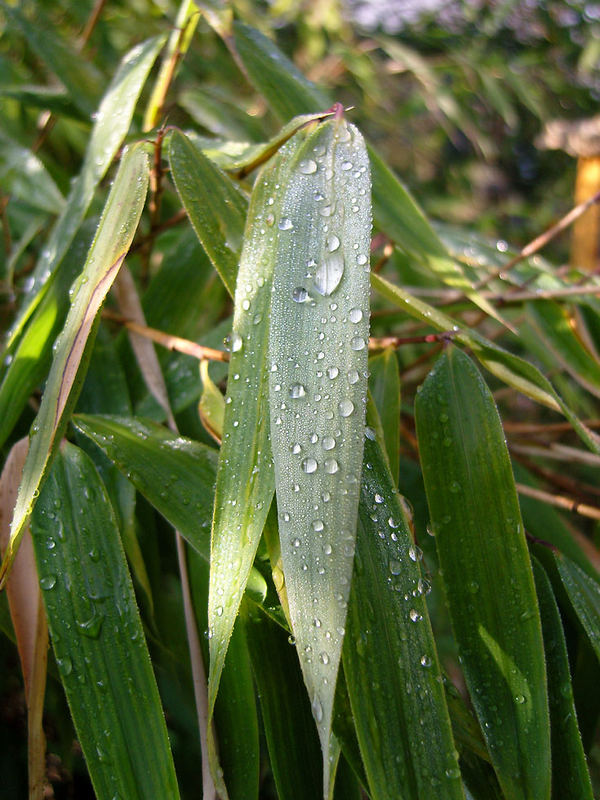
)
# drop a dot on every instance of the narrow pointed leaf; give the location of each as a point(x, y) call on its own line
point(115, 232)
point(97, 635)
point(390, 661)
point(511, 369)
point(570, 776)
point(214, 204)
point(486, 571)
point(112, 122)
point(317, 392)
point(245, 481)
point(176, 475)
point(584, 594)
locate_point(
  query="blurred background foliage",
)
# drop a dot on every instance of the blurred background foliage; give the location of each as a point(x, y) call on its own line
point(453, 94)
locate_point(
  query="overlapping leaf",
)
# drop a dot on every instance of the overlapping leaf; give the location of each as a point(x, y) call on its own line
point(115, 232)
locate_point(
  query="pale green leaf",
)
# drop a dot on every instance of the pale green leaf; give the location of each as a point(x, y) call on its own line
point(115, 232)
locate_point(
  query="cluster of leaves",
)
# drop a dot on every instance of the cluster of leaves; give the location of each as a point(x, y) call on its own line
point(349, 653)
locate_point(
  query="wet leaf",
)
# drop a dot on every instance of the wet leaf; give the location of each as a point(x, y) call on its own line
point(317, 392)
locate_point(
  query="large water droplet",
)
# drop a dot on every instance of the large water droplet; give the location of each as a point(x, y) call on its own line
point(331, 466)
point(328, 443)
point(357, 343)
point(233, 342)
point(48, 582)
point(353, 376)
point(355, 315)
point(285, 224)
point(309, 465)
point(333, 243)
point(395, 566)
point(300, 295)
point(332, 372)
point(346, 407)
point(318, 525)
point(307, 166)
point(297, 390)
point(329, 274)
point(317, 709)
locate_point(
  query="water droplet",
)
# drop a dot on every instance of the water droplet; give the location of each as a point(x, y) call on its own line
point(307, 166)
point(395, 566)
point(415, 553)
point(65, 665)
point(331, 466)
point(329, 274)
point(309, 465)
point(426, 661)
point(332, 372)
point(357, 343)
point(285, 224)
point(297, 390)
point(370, 433)
point(414, 615)
point(327, 549)
point(296, 448)
point(333, 243)
point(48, 582)
point(233, 342)
point(346, 407)
point(300, 295)
point(328, 210)
point(219, 611)
point(346, 165)
point(324, 658)
point(296, 543)
point(317, 709)
point(328, 443)
point(353, 377)
point(355, 315)
point(318, 525)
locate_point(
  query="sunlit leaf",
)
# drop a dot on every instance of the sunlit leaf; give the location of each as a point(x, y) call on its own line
point(113, 238)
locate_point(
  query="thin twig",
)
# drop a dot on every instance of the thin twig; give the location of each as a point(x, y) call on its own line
point(167, 340)
point(164, 226)
point(397, 341)
point(560, 501)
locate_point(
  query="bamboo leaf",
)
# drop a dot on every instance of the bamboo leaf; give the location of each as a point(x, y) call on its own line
point(175, 474)
point(219, 224)
point(570, 777)
point(317, 392)
point(511, 369)
point(584, 594)
point(486, 571)
point(97, 635)
point(390, 660)
point(111, 124)
point(245, 481)
point(115, 232)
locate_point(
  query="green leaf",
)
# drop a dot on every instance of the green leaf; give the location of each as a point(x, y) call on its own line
point(218, 222)
point(97, 635)
point(390, 661)
point(25, 177)
point(245, 481)
point(115, 232)
point(570, 777)
point(175, 474)
point(112, 122)
point(33, 355)
point(318, 339)
point(511, 369)
point(384, 385)
point(584, 594)
point(486, 571)
point(289, 728)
